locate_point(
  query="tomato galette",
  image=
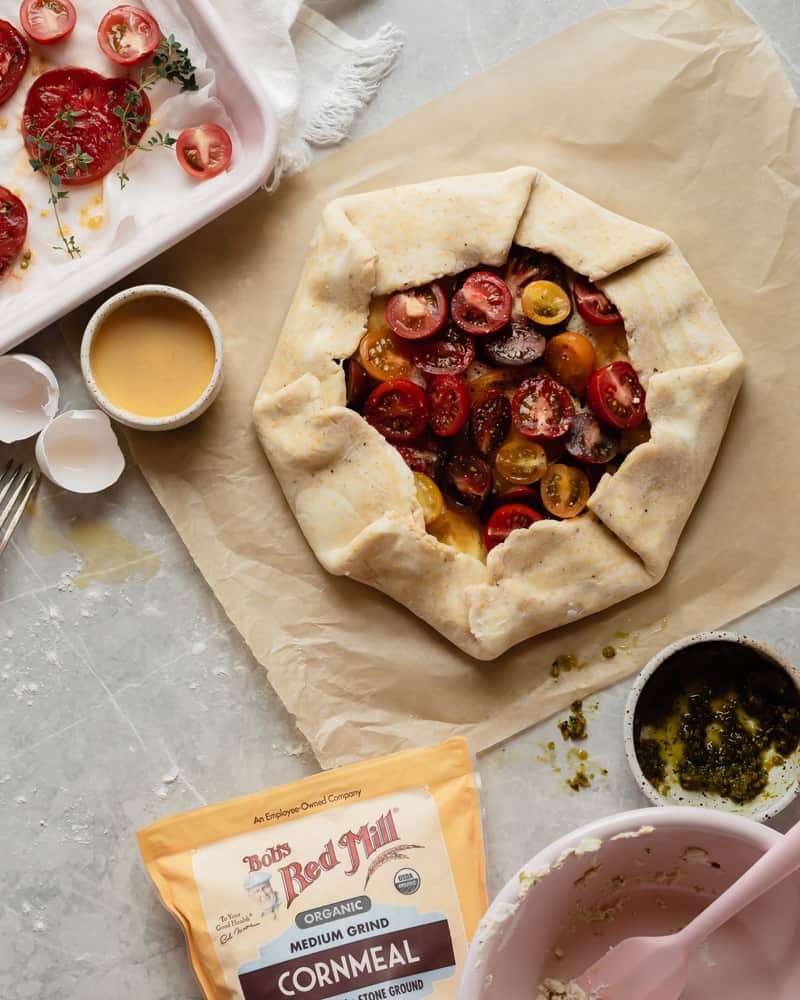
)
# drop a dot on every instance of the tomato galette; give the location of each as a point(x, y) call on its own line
point(496, 402)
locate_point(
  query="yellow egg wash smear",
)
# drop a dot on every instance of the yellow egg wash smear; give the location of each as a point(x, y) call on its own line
point(153, 356)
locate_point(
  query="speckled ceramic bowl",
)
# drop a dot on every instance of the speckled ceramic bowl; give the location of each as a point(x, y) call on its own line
point(649, 871)
point(784, 781)
point(183, 417)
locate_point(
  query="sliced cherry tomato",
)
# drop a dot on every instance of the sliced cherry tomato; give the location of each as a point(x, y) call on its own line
point(565, 490)
point(426, 455)
point(542, 408)
point(589, 441)
point(570, 358)
point(521, 462)
point(593, 304)
point(461, 531)
point(468, 481)
point(204, 151)
point(518, 343)
point(418, 312)
point(506, 519)
point(450, 352)
point(47, 21)
point(520, 494)
point(398, 409)
point(491, 421)
point(128, 35)
point(383, 357)
point(524, 266)
point(448, 404)
point(98, 130)
point(356, 383)
point(495, 379)
point(429, 497)
point(482, 305)
point(616, 395)
point(546, 303)
point(14, 55)
point(13, 229)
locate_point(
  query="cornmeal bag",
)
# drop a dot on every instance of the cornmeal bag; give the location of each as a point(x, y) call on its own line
point(362, 883)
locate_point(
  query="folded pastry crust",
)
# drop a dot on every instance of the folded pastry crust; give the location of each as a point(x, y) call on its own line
point(354, 496)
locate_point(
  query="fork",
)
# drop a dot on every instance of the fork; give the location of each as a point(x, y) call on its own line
point(17, 484)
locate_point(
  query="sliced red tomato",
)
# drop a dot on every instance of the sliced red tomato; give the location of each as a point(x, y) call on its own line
point(510, 517)
point(467, 481)
point(482, 305)
point(491, 421)
point(542, 408)
point(418, 312)
point(13, 229)
point(449, 352)
point(398, 409)
point(518, 343)
point(128, 35)
point(448, 405)
point(96, 129)
point(14, 55)
point(593, 304)
point(204, 150)
point(589, 441)
point(616, 395)
point(47, 21)
point(426, 455)
point(520, 494)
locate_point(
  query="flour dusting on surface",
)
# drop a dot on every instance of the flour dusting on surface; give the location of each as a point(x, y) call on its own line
point(554, 989)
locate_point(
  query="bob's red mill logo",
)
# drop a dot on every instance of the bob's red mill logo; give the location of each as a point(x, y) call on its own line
point(354, 847)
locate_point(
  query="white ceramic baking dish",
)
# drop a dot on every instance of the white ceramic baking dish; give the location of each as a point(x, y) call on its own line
point(257, 131)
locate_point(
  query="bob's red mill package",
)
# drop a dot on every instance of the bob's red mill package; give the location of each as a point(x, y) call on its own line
point(363, 883)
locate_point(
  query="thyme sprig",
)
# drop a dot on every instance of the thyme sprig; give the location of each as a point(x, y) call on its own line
point(171, 62)
point(54, 160)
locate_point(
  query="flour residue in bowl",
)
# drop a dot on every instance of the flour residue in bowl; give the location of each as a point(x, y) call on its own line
point(554, 989)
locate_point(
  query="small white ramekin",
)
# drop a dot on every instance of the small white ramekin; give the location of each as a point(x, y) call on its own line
point(183, 417)
point(784, 783)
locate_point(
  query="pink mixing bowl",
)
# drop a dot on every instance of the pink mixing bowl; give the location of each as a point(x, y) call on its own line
point(643, 872)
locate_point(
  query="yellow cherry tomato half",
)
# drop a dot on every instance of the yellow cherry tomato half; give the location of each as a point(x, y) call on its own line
point(382, 357)
point(462, 531)
point(498, 379)
point(564, 490)
point(546, 303)
point(521, 462)
point(571, 358)
point(429, 497)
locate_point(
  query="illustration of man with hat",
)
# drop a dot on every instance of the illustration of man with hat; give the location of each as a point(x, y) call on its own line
point(259, 885)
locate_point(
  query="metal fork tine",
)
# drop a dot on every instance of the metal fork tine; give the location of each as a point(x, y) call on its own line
point(5, 487)
point(10, 514)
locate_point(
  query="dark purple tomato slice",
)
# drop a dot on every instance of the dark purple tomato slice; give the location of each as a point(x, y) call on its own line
point(491, 421)
point(506, 519)
point(450, 352)
point(616, 395)
point(398, 409)
point(448, 404)
point(592, 304)
point(526, 265)
point(417, 312)
point(356, 382)
point(520, 494)
point(542, 408)
point(14, 55)
point(590, 441)
point(426, 455)
point(467, 481)
point(482, 305)
point(518, 343)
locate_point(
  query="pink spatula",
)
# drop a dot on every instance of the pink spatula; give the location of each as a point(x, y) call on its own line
point(656, 968)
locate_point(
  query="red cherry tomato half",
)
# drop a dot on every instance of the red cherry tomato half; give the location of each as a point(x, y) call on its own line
point(593, 304)
point(467, 481)
point(426, 455)
point(491, 421)
point(98, 130)
point(13, 229)
point(519, 343)
point(542, 408)
point(616, 395)
point(417, 312)
point(47, 21)
point(506, 519)
point(128, 35)
point(589, 441)
point(14, 55)
point(450, 352)
point(448, 405)
point(398, 409)
point(522, 494)
point(483, 304)
point(204, 150)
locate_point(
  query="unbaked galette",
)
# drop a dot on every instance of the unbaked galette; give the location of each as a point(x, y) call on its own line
point(495, 401)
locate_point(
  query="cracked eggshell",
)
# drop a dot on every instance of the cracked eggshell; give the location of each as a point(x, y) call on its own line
point(79, 452)
point(28, 397)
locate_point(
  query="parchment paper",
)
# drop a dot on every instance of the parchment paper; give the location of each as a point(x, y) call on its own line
point(676, 114)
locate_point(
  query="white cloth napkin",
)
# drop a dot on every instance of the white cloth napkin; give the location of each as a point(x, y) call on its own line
point(317, 76)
